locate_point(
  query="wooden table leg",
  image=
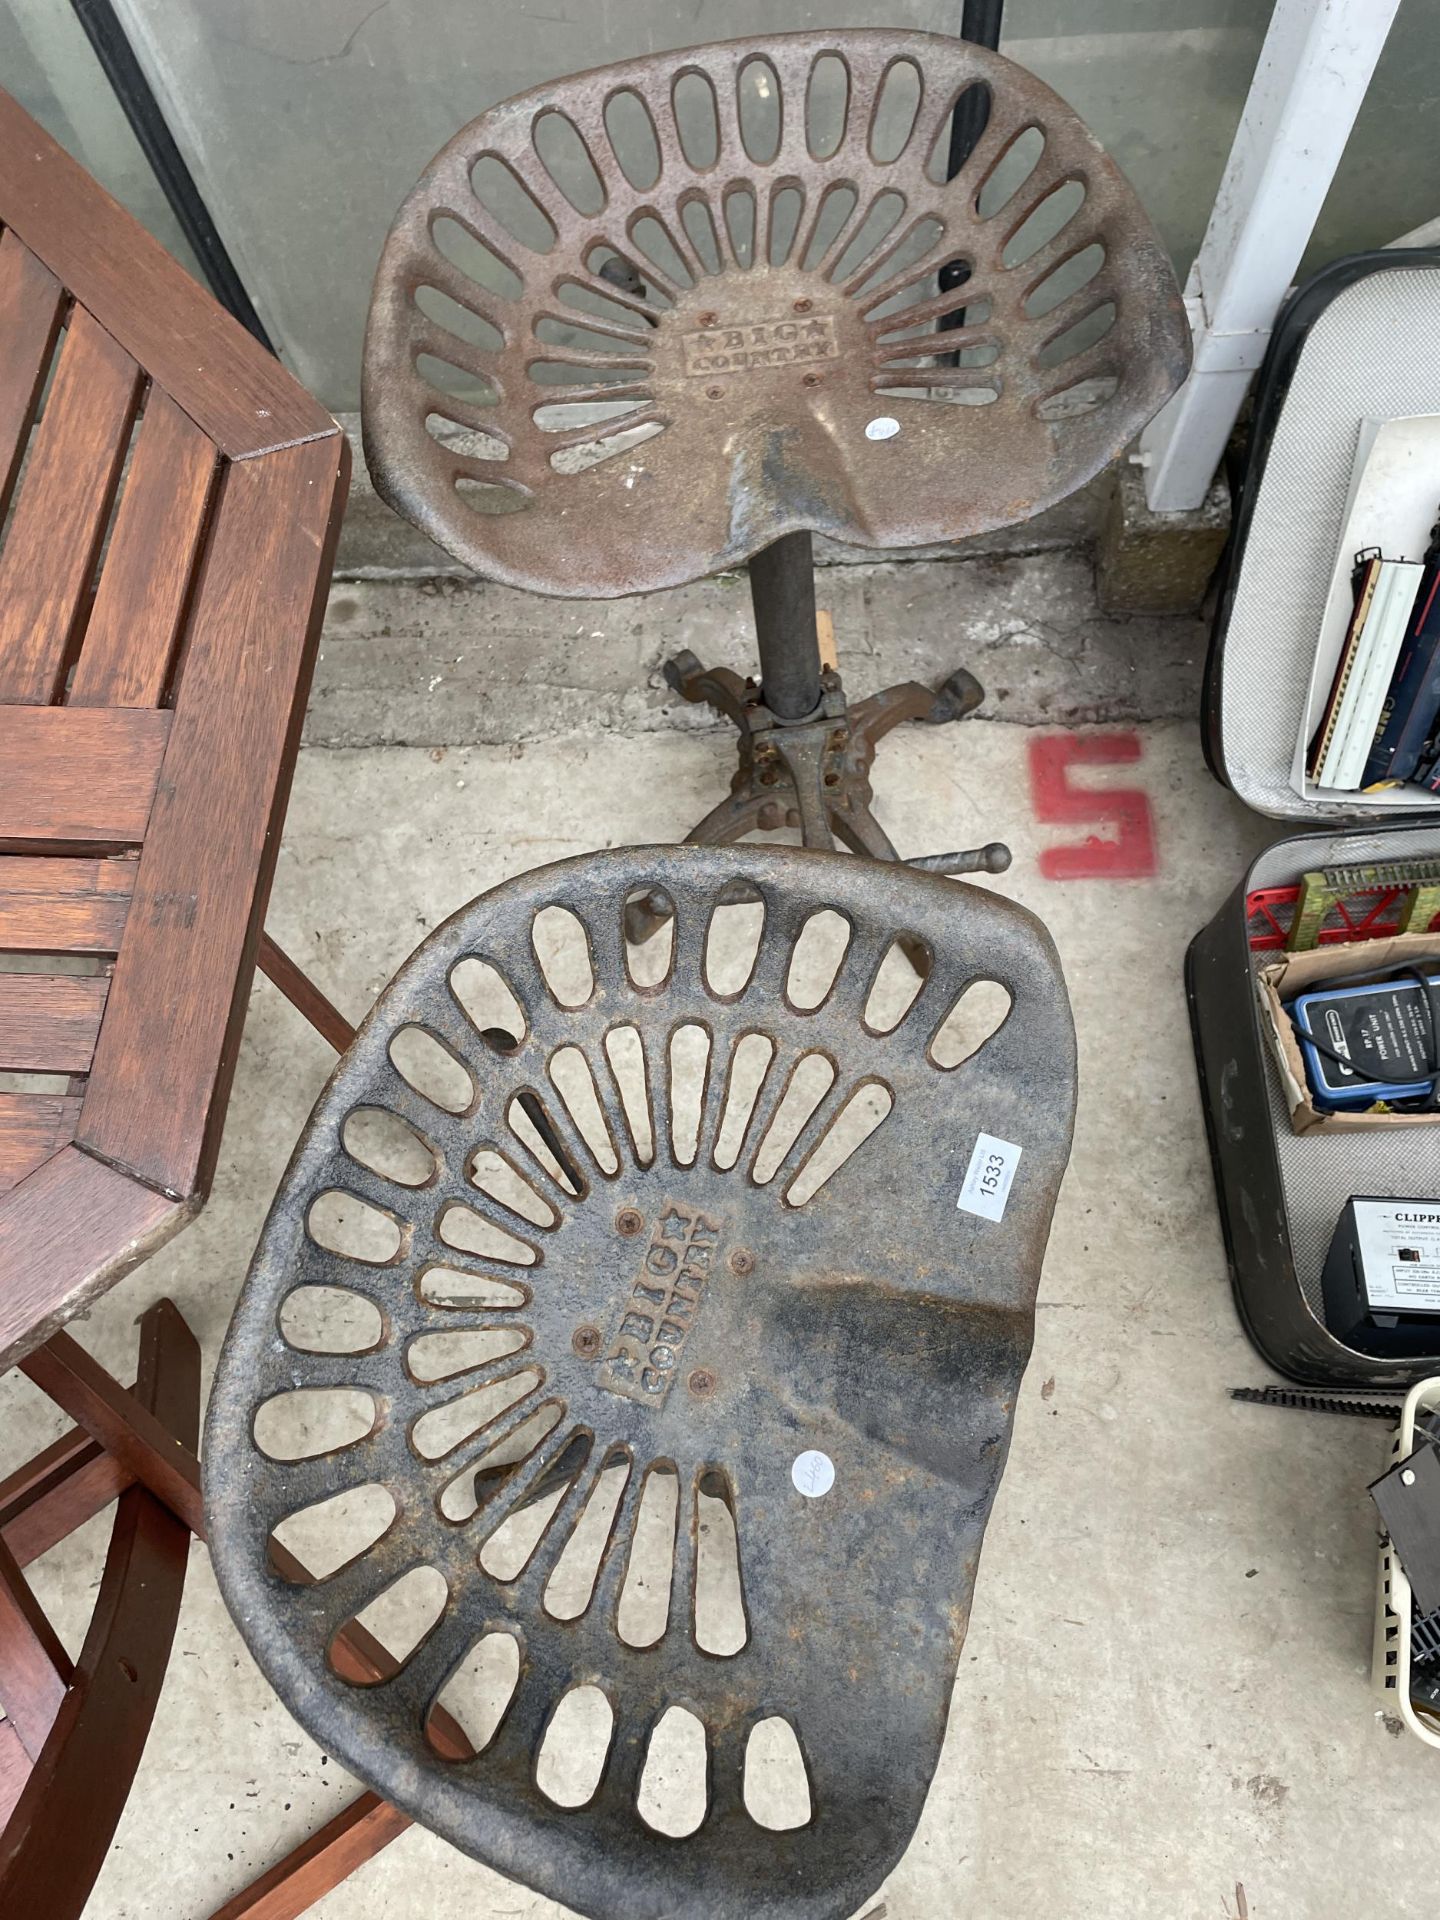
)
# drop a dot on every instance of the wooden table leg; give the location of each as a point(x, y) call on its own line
point(303, 994)
point(46, 1499)
point(121, 1421)
point(143, 1448)
point(319, 1864)
point(35, 1669)
point(55, 1841)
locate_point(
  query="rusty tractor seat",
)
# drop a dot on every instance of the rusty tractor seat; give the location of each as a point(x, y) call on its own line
point(682, 312)
point(631, 1349)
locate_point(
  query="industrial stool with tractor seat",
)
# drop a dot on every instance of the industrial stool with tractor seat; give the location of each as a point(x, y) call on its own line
point(679, 314)
point(651, 1264)
point(633, 1342)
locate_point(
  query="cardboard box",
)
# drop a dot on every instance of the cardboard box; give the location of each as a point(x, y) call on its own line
point(1293, 973)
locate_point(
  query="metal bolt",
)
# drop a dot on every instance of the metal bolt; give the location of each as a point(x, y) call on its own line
point(629, 1221)
point(714, 393)
point(832, 779)
point(769, 774)
point(812, 380)
point(707, 319)
point(803, 306)
point(1407, 1478)
point(701, 1383)
point(742, 1261)
point(586, 1342)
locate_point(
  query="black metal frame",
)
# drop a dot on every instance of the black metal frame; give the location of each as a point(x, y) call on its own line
point(782, 578)
point(142, 110)
point(980, 23)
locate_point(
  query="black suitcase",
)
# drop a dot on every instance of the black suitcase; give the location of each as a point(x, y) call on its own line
point(1359, 342)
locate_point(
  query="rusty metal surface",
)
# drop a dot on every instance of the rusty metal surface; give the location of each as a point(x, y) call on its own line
point(812, 774)
point(877, 1322)
point(756, 365)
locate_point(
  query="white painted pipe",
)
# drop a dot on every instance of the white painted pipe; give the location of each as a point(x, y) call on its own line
point(1311, 77)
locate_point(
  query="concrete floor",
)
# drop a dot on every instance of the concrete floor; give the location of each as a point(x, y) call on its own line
point(1163, 1707)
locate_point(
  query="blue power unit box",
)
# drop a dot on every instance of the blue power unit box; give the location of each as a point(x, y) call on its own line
point(1382, 1033)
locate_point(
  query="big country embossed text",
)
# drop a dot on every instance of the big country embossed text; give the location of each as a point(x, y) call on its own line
point(643, 1356)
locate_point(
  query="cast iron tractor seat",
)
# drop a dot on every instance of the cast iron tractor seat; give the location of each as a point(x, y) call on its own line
point(667, 317)
point(634, 1341)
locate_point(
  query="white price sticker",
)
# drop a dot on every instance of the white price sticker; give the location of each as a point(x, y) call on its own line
point(813, 1473)
point(989, 1177)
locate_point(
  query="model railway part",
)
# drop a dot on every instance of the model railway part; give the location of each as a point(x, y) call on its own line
point(1301, 1401)
point(1337, 906)
point(1412, 887)
point(1371, 1043)
point(1408, 1497)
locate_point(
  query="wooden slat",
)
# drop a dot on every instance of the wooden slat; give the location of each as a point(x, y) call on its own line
point(62, 510)
point(34, 1668)
point(31, 302)
point(56, 1840)
point(78, 778)
point(303, 994)
point(32, 1127)
point(35, 1477)
point(134, 625)
point(48, 1021)
point(118, 1418)
point(234, 391)
point(58, 1513)
point(63, 906)
point(14, 1770)
point(162, 1068)
point(69, 1231)
point(59, 1489)
point(318, 1865)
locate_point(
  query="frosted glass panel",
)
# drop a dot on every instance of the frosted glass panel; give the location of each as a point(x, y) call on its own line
point(306, 125)
point(46, 63)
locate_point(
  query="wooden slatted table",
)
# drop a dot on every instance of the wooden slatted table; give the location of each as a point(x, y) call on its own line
point(169, 504)
point(173, 510)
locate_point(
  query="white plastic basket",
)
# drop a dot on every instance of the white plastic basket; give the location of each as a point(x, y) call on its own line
point(1395, 1607)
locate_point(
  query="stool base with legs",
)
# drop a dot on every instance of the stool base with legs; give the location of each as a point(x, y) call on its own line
point(805, 753)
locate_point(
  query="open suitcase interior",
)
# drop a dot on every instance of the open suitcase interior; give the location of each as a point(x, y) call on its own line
point(1354, 355)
